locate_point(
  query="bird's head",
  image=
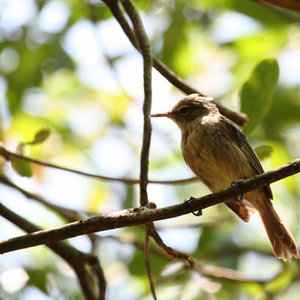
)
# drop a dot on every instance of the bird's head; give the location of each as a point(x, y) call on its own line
point(189, 109)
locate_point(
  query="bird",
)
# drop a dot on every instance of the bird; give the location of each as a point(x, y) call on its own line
point(218, 152)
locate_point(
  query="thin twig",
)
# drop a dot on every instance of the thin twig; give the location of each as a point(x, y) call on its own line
point(207, 270)
point(290, 4)
point(239, 118)
point(191, 262)
point(145, 49)
point(147, 261)
point(143, 215)
point(97, 269)
point(170, 251)
point(144, 46)
point(99, 275)
point(75, 258)
point(9, 155)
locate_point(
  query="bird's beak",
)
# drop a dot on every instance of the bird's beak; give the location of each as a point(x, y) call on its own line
point(167, 114)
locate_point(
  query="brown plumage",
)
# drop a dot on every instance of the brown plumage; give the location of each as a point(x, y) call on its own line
point(218, 152)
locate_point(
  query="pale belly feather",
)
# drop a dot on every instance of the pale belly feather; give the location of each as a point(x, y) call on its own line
point(214, 159)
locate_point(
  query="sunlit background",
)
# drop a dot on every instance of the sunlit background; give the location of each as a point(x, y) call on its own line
point(68, 66)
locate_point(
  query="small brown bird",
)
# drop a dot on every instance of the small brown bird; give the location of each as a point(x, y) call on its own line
point(218, 152)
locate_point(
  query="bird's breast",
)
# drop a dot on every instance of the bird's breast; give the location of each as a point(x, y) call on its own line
point(216, 160)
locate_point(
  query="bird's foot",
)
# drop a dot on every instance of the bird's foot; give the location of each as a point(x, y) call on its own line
point(195, 213)
point(235, 183)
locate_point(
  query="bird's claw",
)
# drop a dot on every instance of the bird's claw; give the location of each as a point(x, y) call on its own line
point(235, 183)
point(195, 213)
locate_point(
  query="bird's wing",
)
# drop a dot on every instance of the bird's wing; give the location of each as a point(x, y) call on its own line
point(234, 134)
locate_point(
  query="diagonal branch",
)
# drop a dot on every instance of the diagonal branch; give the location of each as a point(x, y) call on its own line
point(77, 260)
point(147, 260)
point(67, 213)
point(207, 270)
point(143, 215)
point(178, 82)
point(290, 4)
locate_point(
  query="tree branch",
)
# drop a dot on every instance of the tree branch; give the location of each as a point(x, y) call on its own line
point(75, 258)
point(68, 214)
point(178, 82)
point(9, 155)
point(207, 270)
point(145, 49)
point(144, 46)
point(147, 260)
point(143, 215)
point(290, 4)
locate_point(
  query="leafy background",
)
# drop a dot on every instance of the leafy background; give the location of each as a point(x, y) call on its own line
point(67, 68)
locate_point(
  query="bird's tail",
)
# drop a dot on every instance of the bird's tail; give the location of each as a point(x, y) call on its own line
point(283, 243)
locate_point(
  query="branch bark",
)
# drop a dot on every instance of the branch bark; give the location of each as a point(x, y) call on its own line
point(162, 250)
point(143, 215)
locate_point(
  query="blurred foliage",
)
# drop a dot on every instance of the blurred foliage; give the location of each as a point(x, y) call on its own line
point(257, 92)
point(22, 167)
point(263, 151)
point(71, 85)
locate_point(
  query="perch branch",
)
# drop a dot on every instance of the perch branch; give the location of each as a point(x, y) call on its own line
point(143, 215)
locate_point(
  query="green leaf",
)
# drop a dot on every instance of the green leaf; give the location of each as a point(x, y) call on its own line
point(41, 136)
point(263, 151)
point(38, 277)
point(285, 109)
point(176, 47)
point(22, 167)
point(257, 92)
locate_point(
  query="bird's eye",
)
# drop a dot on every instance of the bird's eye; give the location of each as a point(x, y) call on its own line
point(184, 110)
